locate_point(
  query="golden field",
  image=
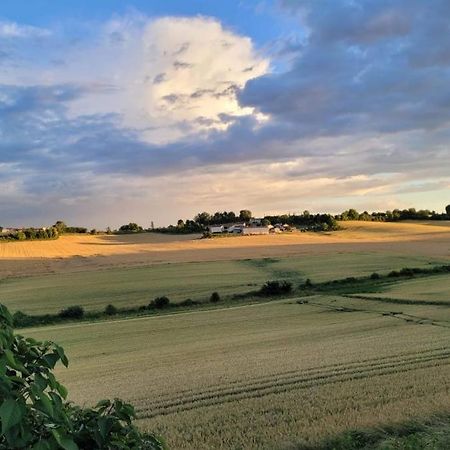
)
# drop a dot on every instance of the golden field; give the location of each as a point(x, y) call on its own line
point(82, 252)
point(269, 375)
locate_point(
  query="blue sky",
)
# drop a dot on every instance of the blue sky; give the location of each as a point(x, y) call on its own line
point(112, 111)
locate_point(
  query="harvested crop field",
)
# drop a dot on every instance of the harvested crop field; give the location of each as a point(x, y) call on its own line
point(262, 376)
point(85, 252)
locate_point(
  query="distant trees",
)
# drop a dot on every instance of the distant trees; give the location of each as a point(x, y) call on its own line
point(203, 218)
point(245, 215)
point(131, 228)
point(395, 215)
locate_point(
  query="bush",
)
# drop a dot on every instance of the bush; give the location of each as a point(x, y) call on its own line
point(160, 303)
point(394, 273)
point(215, 297)
point(72, 312)
point(275, 288)
point(308, 283)
point(188, 302)
point(21, 319)
point(375, 276)
point(35, 414)
point(406, 271)
point(110, 310)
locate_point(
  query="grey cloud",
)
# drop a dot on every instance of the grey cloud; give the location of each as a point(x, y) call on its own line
point(159, 78)
point(353, 78)
point(183, 48)
point(181, 65)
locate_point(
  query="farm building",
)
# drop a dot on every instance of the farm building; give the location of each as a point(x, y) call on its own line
point(214, 229)
point(255, 230)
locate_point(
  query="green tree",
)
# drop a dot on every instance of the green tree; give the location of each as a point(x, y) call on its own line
point(203, 218)
point(60, 226)
point(21, 236)
point(245, 215)
point(131, 228)
point(447, 210)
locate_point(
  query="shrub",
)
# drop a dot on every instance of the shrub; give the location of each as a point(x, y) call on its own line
point(188, 302)
point(72, 312)
point(375, 276)
point(407, 272)
point(394, 273)
point(160, 302)
point(110, 310)
point(307, 283)
point(21, 319)
point(275, 288)
point(34, 413)
point(215, 297)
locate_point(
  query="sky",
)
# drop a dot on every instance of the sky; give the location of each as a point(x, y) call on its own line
point(115, 111)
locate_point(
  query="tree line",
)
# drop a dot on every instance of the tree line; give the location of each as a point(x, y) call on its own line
point(35, 234)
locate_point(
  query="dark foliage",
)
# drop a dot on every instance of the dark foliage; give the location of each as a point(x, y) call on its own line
point(215, 297)
point(72, 312)
point(275, 288)
point(160, 303)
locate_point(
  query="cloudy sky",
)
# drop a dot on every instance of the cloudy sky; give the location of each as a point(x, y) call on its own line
point(115, 111)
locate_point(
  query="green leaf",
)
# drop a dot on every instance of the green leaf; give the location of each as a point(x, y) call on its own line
point(51, 359)
point(41, 445)
point(11, 361)
point(66, 442)
point(61, 390)
point(62, 355)
point(46, 404)
point(10, 414)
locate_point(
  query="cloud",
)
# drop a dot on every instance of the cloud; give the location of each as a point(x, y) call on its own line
point(15, 30)
point(182, 114)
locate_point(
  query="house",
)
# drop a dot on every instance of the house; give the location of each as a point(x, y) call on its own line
point(255, 230)
point(216, 229)
point(255, 222)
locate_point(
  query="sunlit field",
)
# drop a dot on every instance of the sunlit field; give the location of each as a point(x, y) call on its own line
point(275, 374)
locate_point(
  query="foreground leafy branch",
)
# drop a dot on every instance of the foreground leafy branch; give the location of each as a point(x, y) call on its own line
point(34, 412)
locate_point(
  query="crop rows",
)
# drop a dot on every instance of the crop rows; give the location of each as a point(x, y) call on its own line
point(291, 380)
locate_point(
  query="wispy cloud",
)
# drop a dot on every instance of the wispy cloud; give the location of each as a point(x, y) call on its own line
point(15, 30)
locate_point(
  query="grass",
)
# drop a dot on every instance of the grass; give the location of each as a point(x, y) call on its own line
point(128, 287)
point(275, 375)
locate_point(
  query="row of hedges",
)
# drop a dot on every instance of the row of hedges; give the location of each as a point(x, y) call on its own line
point(77, 312)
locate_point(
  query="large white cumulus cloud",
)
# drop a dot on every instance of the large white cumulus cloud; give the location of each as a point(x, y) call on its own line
point(168, 77)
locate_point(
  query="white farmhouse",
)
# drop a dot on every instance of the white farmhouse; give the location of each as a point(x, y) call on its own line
point(215, 229)
point(255, 230)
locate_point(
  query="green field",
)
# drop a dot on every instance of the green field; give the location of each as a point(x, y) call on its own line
point(432, 289)
point(196, 280)
point(270, 375)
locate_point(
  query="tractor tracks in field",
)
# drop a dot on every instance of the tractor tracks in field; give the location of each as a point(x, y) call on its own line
point(417, 320)
point(292, 380)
